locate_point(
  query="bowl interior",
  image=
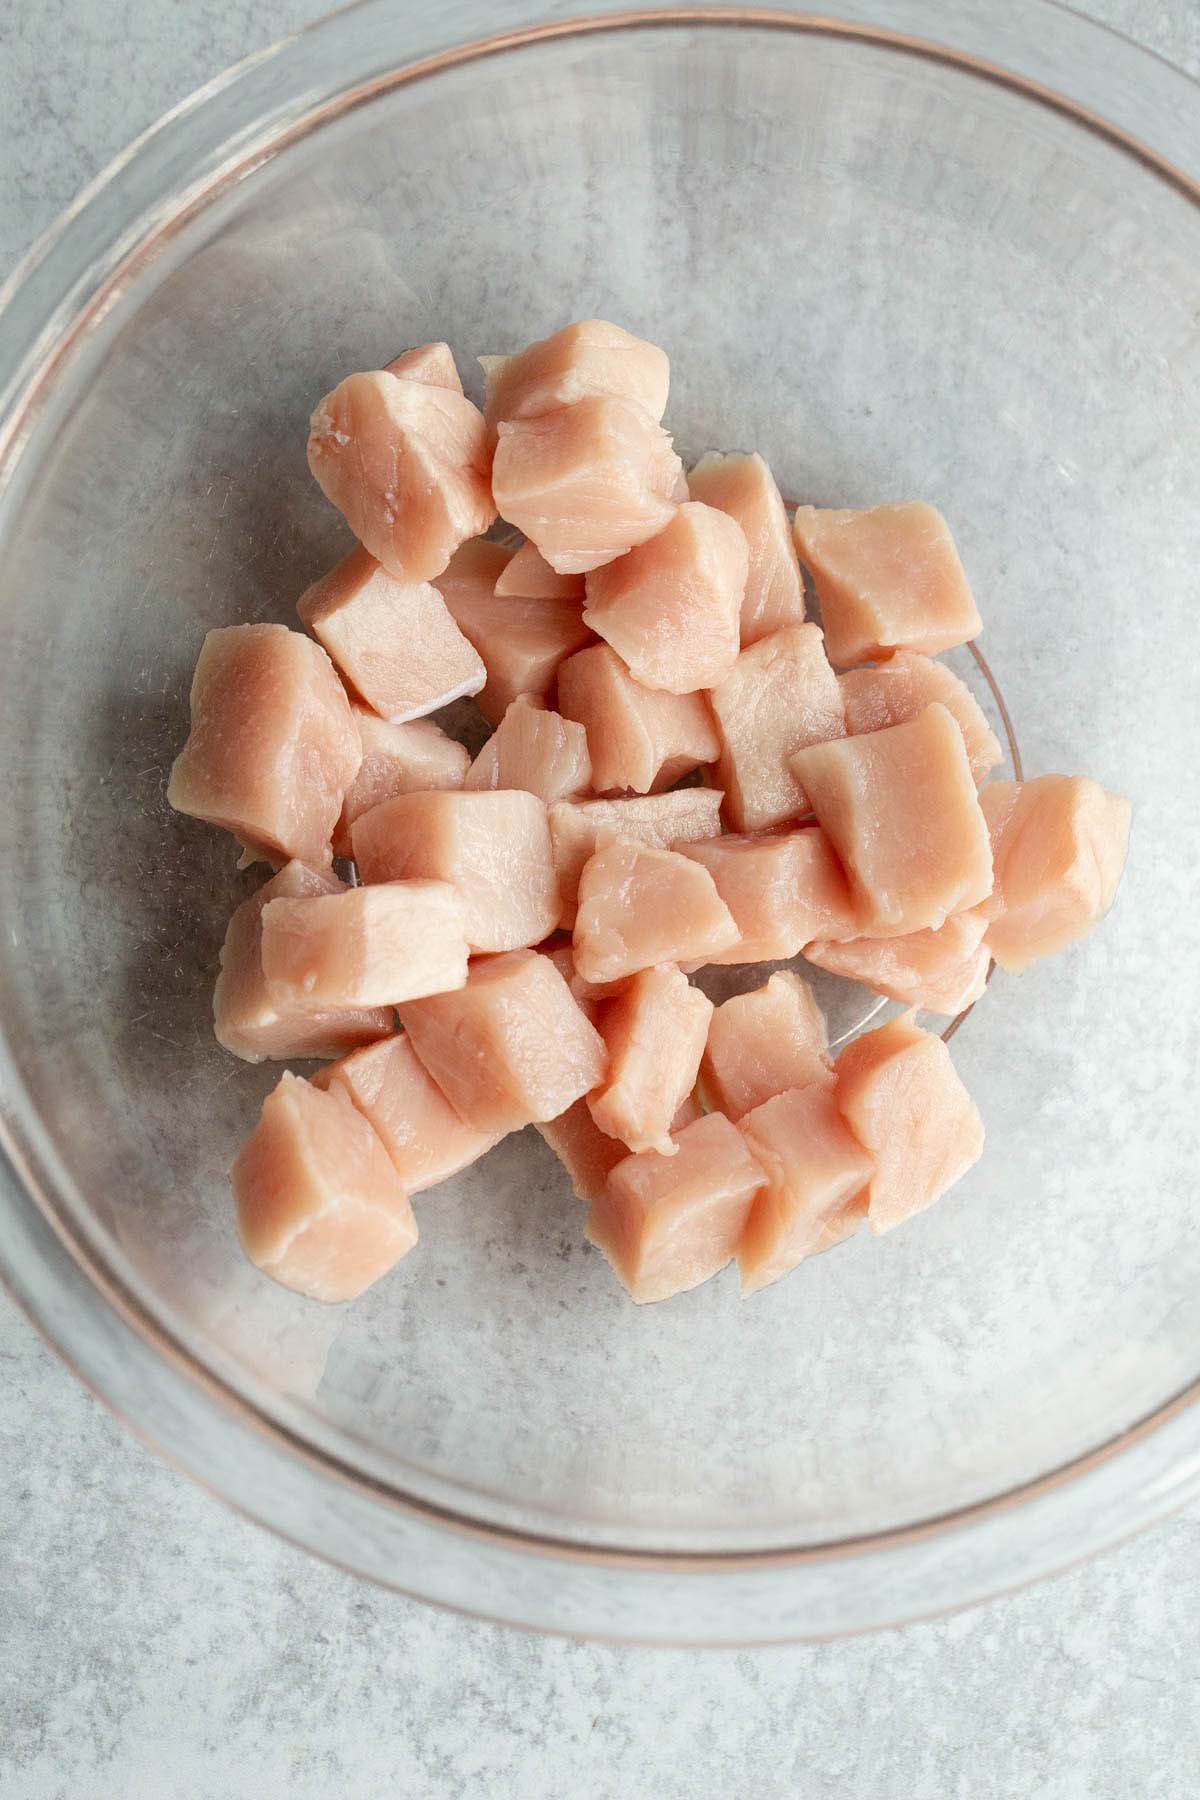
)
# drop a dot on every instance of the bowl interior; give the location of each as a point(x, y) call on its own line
point(895, 278)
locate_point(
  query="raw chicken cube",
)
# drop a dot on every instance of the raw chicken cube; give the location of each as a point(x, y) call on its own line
point(320, 1207)
point(901, 1096)
point(407, 466)
point(248, 1020)
point(781, 887)
point(512, 1047)
point(887, 579)
point(394, 641)
point(431, 363)
point(901, 811)
point(639, 906)
point(893, 692)
point(672, 607)
point(662, 819)
point(577, 363)
point(418, 1127)
point(817, 1173)
point(367, 946)
point(534, 749)
point(1059, 846)
point(780, 695)
point(944, 971)
point(763, 1043)
point(494, 848)
point(272, 748)
point(668, 1223)
point(744, 487)
point(588, 482)
point(397, 759)
point(589, 994)
point(586, 1152)
point(655, 1031)
point(639, 737)
point(530, 577)
point(522, 641)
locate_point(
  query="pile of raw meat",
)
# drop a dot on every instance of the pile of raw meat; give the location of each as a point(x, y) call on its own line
point(534, 915)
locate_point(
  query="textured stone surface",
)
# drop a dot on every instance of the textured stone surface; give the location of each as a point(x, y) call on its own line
point(153, 1644)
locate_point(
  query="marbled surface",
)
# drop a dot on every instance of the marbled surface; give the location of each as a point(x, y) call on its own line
point(151, 1644)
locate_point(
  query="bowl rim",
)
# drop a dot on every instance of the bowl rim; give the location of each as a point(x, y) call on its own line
point(95, 260)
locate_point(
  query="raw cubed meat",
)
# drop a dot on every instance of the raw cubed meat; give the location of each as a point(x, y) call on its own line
point(1059, 847)
point(663, 819)
point(901, 1096)
point(320, 1207)
point(668, 1223)
point(655, 1031)
point(272, 748)
point(394, 641)
point(407, 465)
point(780, 696)
point(252, 1024)
point(639, 905)
point(893, 692)
point(744, 487)
point(588, 482)
point(494, 848)
point(589, 994)
point(763, 1043)
point(577, 363)
point(529, 576)
point(585, 1152)
point(639, 737)
point(397, 759)
point(943, 971)
point(431, 363)
point(672, 608)
point(887, 579)
point(901, 810)
point(522, 641)
point(817, 1173)
point(416, 1124)
point(781, 887)
point(511, 1048)
point(367, 946)
point(534, 749)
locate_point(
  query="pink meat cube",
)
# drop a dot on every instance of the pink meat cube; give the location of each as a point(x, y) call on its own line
point(522, 641)
point(252, 1024)
point(639, 906)
point(394, 641)
point(639, 737)
point(781, 887)
point(529, 576)
point(763, 1043)
point(672, 607)
point(272, 747)
point(900, 809)
point(588, 482)
point(534, 749)
point(887, 579)
point(367, 946)
point(397, 759)
point(1059, 846)
point(668, 1223)
point(893, 692)
point(744, 487)
point(418, 1127)
point(407, 466)
point(320, 1207)
point(654, 1031)
point(511, 1048)
point(901, 1096)
point(780, 696)
point(494, 848)
point(589, 994)
point(431, 363)
point(943, 971)
point(579, 362)
point(663, 819)
point(586, 1152)
point(815, 1192)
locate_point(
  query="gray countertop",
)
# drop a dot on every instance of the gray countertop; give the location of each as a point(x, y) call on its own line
point(154, 1645)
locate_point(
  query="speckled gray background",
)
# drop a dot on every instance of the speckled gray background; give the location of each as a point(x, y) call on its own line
point(153, 1645)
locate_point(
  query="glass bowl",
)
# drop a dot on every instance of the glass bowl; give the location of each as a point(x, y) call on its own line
point(903, 249)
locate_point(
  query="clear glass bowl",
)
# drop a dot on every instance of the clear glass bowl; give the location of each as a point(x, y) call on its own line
point(908, 250)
